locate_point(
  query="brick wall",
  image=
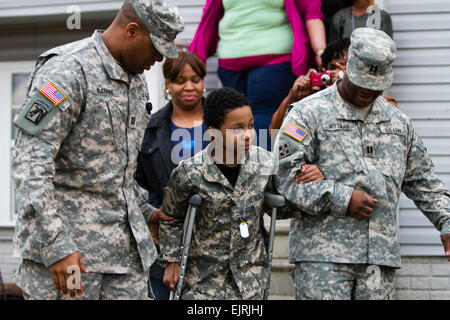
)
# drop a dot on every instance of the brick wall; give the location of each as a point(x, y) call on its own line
point(424, 278)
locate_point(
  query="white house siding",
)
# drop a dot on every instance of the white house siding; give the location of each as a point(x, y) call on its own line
point(10, 10)
point(422, 89)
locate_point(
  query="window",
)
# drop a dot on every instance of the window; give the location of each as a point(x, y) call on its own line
point(13, 85)
point(14, 78)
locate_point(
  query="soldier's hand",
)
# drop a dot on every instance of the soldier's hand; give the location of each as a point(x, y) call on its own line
point(171, 273)
point(446, 242)
point(153, 225)
point(60, 273)
point(361, 205)
point(309, 173)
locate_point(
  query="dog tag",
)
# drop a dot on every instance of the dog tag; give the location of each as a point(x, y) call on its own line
point(244, 229)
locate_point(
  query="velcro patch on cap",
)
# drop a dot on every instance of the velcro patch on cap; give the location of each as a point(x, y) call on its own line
point(52, 93)
point(295, 132)
point(373, 69)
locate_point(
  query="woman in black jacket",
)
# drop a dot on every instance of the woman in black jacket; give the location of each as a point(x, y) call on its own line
point(173, 133)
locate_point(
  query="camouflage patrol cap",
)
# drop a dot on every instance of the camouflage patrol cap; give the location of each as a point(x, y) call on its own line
point(370, 57)
point(163, 22)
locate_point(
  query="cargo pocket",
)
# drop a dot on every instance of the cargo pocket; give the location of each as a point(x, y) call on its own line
point(98, 136)
point(342, 154)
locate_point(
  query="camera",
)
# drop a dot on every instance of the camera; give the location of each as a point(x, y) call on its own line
point(320, 79)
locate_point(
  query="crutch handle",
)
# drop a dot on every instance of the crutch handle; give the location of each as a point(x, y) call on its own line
point(194, 203)
point(274, 200)
point(195, 200)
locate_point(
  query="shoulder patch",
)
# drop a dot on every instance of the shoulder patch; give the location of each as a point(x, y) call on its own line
point(35, 114)
point(295, 132)
point(284, 150)
point(52, 93)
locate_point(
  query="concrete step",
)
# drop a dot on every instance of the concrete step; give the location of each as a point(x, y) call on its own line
point(280, 225)
point(281, 244)
point(274, 297)
point(281, 241)
point(281, 283)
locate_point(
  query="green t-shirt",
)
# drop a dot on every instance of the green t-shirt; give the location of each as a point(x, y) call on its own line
point(342, 24)
point(254, 27)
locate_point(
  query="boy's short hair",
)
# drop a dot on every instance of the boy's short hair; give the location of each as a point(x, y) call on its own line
point(335, 50)
point(218, 103)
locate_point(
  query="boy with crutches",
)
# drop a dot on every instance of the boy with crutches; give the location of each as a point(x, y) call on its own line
point(227, 257)
point(272, 201)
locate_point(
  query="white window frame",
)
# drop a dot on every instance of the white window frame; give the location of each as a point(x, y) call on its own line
point(7, 69)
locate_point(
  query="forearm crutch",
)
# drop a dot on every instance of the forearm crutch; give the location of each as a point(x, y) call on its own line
point(273, 201)
point(194, 203)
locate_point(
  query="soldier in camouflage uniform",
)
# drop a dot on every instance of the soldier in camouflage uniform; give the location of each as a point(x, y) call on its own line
point(223, 263)
point(346, 245)
point(75, 155)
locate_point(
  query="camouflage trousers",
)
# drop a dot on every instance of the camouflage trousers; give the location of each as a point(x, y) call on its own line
point(36, 282)
point(229, 291)
point(338, 281)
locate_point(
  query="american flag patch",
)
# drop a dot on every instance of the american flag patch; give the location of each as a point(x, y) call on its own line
point(53, 93)
point(295, 132)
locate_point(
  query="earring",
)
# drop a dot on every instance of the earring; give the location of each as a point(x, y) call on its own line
point(167, 95)
point(204, 91)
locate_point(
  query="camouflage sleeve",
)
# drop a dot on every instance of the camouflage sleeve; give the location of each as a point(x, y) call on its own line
point(296, 146)
point(421, 185)
point(142, 197)
point(288, 211)
point(175, 204)
point(44, 121)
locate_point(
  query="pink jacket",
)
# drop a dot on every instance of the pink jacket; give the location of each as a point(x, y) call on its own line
point(206, 37)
